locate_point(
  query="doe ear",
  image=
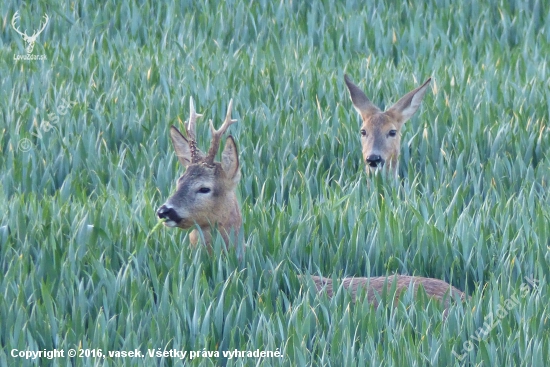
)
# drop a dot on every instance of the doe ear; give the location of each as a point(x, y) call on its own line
point(230, 158)
point(181, 146)
point(360, 101)
point(409, 103)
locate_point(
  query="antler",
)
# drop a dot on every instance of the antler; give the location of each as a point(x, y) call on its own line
point(29, 39)
point(35, 34)
point(196, 154)
point(217, 134)
point(13, 21)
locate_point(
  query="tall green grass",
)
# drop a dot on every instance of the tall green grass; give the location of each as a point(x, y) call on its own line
point(80, 268)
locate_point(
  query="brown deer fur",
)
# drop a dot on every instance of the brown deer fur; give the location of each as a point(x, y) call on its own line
point(381, 131)
point(205, 194)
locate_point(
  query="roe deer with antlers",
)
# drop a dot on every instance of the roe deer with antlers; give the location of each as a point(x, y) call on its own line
point(381, 130)
point(205, 194)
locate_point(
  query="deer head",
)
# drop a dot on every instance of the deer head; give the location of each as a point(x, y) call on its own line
point(30, 40)
point(381, 131)
point(205, 194)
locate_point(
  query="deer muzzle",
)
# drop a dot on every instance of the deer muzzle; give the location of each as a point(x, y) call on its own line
point(374, 160)
point(165, 212)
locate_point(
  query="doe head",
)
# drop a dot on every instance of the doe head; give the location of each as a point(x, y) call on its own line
point(381, 130)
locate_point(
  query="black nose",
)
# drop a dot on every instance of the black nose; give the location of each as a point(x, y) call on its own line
point(166, 213)
point(374, 160)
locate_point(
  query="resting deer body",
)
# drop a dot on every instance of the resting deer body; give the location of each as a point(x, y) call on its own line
point(374, 287)
point(381, 130)
point(205, 194)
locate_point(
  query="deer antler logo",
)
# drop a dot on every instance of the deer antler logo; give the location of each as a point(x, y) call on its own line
point(30, 40)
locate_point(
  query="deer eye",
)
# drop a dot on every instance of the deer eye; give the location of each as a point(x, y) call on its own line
point(364, 132)
point(392, 133)
point(204, 190)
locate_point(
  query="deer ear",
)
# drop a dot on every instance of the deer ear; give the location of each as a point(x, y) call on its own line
point(230, 159)
point(409, 103)
point(360, 101)
point(183, 149)
point(181, 146)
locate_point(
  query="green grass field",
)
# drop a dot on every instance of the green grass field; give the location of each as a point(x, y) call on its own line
point(86, 160)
